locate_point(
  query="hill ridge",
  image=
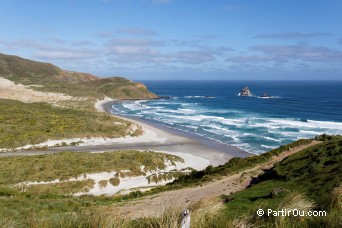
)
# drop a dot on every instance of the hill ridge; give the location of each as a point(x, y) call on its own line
point(77, 84)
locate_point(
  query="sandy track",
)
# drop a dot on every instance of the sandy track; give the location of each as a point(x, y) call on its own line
point(152, 205)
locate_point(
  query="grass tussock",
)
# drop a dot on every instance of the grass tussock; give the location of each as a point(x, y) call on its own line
point(92, 218)
point(205, 211)
point(297, 201)
point(103, 183)
point(241, 222)
point(336, 198)
point(114, 181)
point(294, 201)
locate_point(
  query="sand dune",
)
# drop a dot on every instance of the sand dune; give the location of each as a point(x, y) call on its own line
point(10, 90)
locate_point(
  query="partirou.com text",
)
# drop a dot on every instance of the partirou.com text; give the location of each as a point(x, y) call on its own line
point(292, 212)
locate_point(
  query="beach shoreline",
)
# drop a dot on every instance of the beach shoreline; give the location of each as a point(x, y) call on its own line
point(196, 153)
point(177, 141)
point(154, 138)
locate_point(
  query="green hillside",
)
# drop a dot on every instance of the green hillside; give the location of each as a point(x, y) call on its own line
point(309, 180)
point(77, 84)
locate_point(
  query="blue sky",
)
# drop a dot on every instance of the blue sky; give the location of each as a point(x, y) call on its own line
point(179, 39)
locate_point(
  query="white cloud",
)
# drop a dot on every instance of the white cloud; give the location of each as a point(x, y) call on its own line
point(133, 42)
point(130, 50)
point(302, 52)
point(193, 56)
point(250, 59)
point(104, 34)
point(57, 40)
point(80, 43)
point(56, 49)
point(285, 53)
point(66, 54)
point(291, 35)
point(137, 31)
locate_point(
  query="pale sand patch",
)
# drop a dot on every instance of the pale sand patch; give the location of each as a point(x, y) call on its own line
point(99, 104)
point(148, 136)
point(12, 91)
point(127, 184)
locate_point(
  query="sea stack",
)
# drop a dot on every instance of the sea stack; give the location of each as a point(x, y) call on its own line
point(245, 92)
point(265, 95)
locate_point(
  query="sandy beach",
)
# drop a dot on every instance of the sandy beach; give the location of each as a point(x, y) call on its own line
point(154, 138)
point(166, 140)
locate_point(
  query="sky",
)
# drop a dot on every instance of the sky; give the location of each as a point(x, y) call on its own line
point(179, 39)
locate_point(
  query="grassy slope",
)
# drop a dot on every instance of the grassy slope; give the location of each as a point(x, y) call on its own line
point(310, 180)
point(22, 123)
point(313, 173)
point(54, 79)
point(45, 201)
point(233, 166)
point(307, 177)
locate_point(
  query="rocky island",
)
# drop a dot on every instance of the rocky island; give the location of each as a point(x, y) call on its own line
point(265, 95)
point(245, 92)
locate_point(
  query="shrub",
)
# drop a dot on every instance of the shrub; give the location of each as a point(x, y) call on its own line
point(114, 181)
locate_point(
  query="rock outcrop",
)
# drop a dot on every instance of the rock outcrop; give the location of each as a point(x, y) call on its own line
point(245, 92)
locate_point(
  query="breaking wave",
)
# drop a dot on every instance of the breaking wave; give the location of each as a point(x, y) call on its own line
point(249, 131)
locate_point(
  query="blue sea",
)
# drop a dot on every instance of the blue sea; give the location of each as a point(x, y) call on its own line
point(213, 110)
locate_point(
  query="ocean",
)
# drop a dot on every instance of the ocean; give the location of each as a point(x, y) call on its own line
point(213, 110)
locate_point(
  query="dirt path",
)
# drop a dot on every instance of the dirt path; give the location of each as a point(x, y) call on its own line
point(155, 204)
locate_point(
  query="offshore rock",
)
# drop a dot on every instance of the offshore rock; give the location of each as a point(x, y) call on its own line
point(245, 92)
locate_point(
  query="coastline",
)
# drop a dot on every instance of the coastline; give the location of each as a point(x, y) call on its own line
point(199, 151)
point(175, 141)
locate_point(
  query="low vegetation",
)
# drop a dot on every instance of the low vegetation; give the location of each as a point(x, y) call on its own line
point(54, 79)
point(114, 181)
point(103, 183)
point(22, 123)
point(27, 205)
point(61, 188)
point(66, 165)
point(308, 180)
point(157, 178)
